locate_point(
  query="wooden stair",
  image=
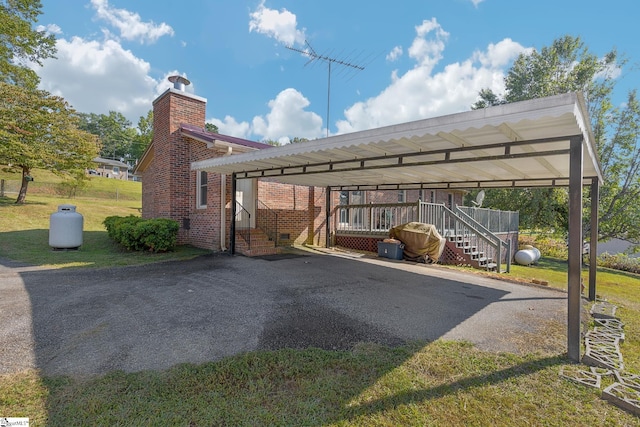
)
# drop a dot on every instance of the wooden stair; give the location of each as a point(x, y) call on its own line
point(260, 244)
point(459, 251)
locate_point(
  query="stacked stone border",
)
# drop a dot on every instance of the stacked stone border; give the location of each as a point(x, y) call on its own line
point(604, 359)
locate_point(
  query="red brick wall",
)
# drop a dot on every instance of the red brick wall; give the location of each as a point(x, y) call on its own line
point(168, 190)
point(300, 209)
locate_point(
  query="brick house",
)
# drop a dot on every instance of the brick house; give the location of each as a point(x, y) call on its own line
point(201, 201)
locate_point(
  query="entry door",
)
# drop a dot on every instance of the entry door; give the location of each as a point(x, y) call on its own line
point(246, 195)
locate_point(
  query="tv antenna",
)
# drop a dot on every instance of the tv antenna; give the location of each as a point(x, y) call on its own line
point(325, 57)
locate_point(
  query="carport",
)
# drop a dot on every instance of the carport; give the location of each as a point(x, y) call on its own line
point(544, 142)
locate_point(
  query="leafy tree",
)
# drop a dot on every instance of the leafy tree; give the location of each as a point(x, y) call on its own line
point(567, 66)
point(144, 136)
point(19, 43)
point(210, 127)
point(115, 131)
point(38, 130)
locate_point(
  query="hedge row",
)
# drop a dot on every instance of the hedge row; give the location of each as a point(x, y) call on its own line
point(137, 234)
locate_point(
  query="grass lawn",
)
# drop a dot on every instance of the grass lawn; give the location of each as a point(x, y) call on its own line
point(24, 229)
point(438, 383)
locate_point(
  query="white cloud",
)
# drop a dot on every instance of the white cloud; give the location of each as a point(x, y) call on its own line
point(420, 93)
point(99, 76)
point(288, 118)
point(476, 2)
point(428, 52)
point(49, 29)
point(229, 126)
point(395, 53)
point(130, 24)
point(280, 25)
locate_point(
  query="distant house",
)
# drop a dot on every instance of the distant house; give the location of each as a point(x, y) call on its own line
point(110, 169)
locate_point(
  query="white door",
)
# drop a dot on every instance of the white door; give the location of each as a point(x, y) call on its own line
point(246, 195)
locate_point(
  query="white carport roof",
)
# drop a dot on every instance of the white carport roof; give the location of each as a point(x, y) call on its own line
point(541, 142)
point(522, 144)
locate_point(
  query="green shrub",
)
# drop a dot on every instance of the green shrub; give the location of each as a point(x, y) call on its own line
point(548, 245)
point(157, 235)
point(619, 262)
point(137, 234)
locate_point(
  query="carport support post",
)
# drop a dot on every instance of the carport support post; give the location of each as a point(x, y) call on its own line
point(575, 248)
point(593, 240)
point(232, 232)
point(327, 222)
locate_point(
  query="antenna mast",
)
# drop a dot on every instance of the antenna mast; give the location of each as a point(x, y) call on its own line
point(314, 56)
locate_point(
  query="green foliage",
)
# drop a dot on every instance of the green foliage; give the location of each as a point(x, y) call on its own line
point(39, 130)
point(539, 208)
point(621, 262)
point(548, 244)
point(297, 140)
point(118, 138)
point(137, 234)
point(210, 127)
point(71, 187)
point(144, 137)
point(114, 131)
point(20, 43)
point(568, 66)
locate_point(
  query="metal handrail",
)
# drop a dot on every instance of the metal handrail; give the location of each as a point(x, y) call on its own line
point(498, 243)
point(243, 223)
point(497, 221)
point(267, 221)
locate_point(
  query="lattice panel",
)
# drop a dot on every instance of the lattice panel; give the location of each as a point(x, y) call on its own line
point(450, 255)
point(369, 244)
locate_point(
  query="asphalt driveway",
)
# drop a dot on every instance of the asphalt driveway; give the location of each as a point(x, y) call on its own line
point(152, 317)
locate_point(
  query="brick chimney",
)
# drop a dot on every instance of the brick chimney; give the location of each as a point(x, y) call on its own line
point(168, 189)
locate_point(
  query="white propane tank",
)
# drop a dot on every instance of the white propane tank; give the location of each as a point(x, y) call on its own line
point(65, 228)
point(525, 257)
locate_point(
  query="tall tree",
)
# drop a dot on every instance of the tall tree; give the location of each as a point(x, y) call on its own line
point(20, 43)
point(144, 136)
point(567, 66)
point(116, 134)
point(38, 130)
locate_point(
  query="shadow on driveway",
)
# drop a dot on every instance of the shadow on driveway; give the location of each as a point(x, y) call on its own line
point(92, 321)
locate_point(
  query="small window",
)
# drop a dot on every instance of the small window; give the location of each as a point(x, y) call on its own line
point(116, 170)
point(433, 196)
point(402, 196)
point(201, 189)
point(450, 200)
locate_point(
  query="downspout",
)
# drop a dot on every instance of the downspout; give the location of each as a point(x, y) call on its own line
point(223, 206)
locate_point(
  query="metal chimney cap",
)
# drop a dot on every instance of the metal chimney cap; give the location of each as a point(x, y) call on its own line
point(179, 82)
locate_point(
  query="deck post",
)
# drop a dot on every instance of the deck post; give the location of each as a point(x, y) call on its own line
point(593, 240)
point(232, 236)
point(575, 248)
point(327, 222)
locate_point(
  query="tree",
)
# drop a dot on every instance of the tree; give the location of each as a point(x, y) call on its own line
point(210, 127)
point(144, 137)
point(297, 140)
point(115, 132)
point(567, 66)
point(19, 43)
point(38, 130)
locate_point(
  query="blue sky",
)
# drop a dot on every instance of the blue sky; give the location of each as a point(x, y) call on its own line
point(421, 58)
